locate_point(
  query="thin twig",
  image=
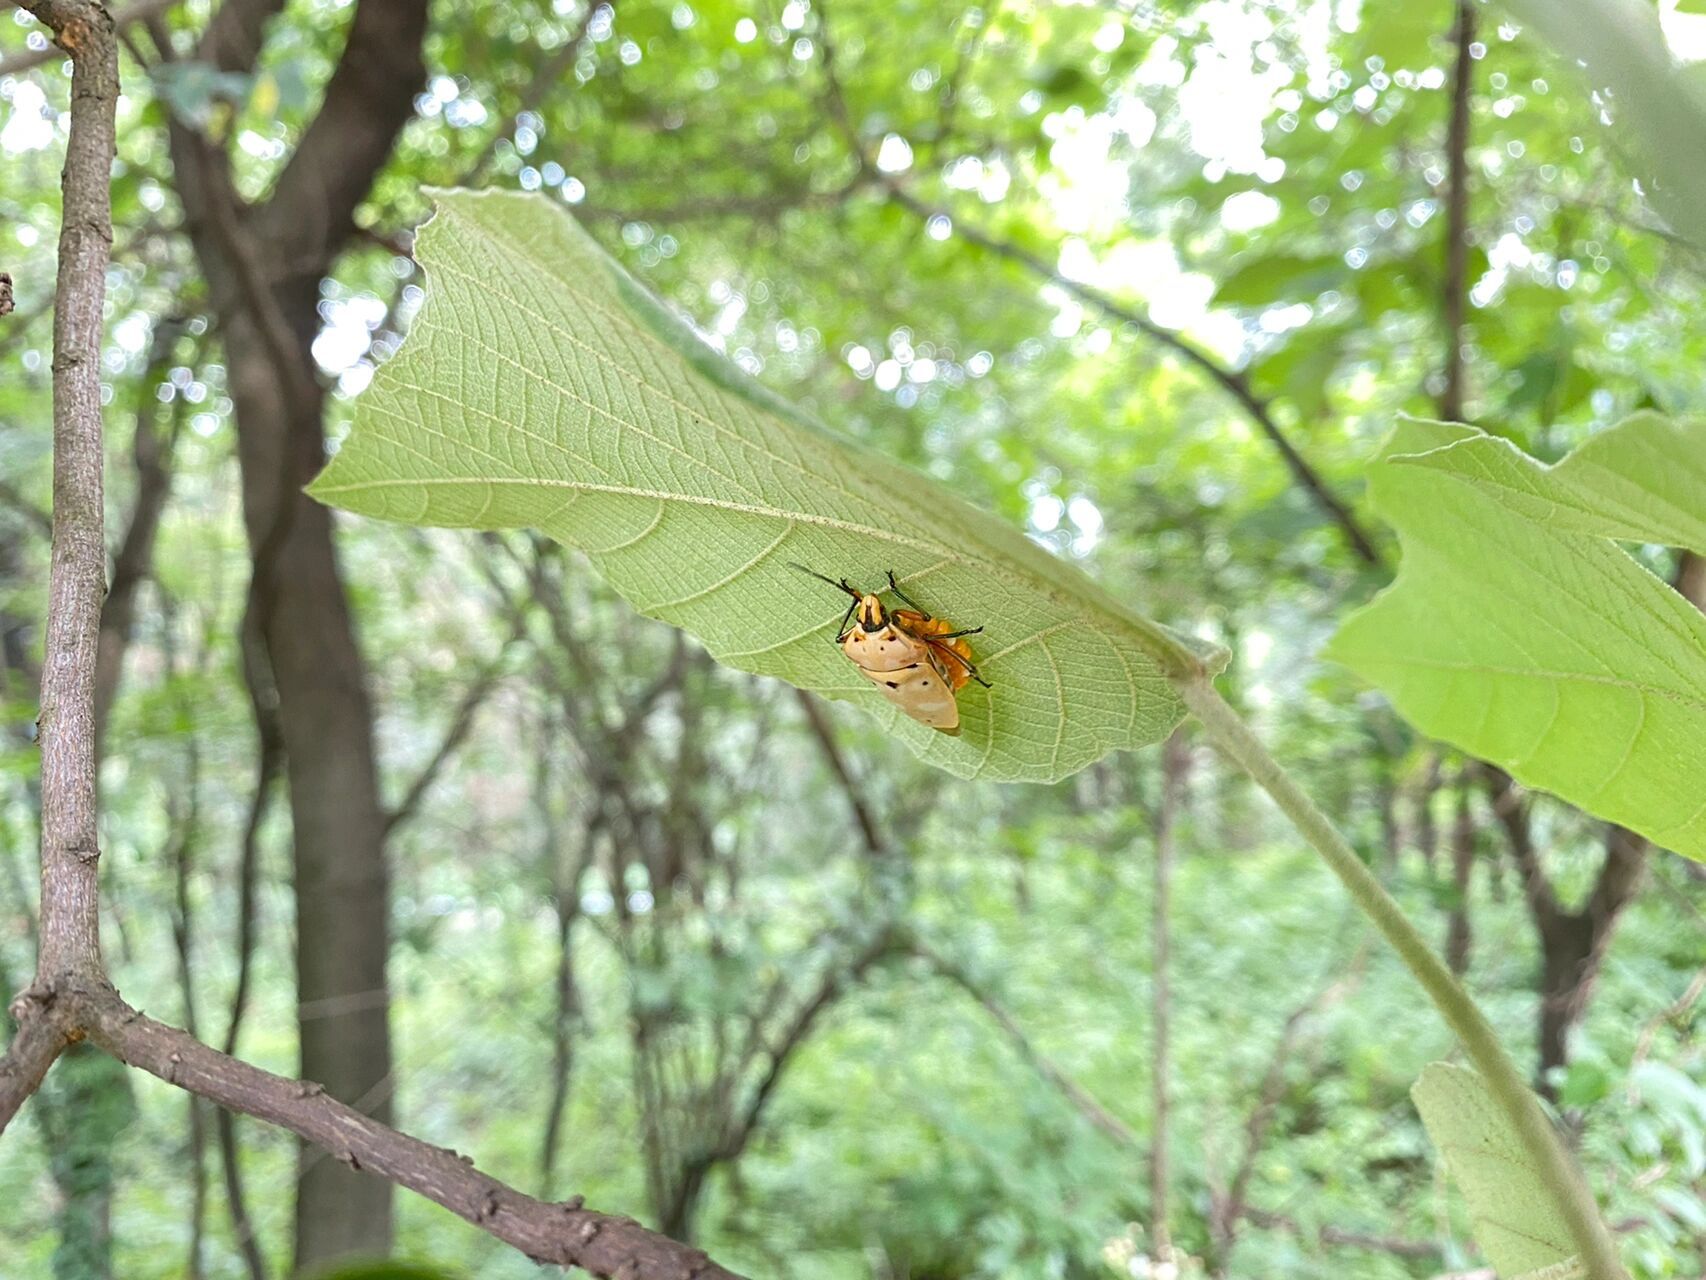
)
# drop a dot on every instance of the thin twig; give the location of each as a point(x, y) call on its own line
point(1670, 1013)
point(183, 813)
point(1397, 1246)
point(269, 765)
point(1080, 1097)
point(151, 450)
point(29, 59)
point(1233, 1207)
point(825, 735)
point(835, 981)
point(546, 78)
point(461, 724)
point(13, 498)
point(1232, 382)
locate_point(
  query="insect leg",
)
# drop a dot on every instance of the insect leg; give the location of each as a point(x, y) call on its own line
point(955, 635)
point(841, 630)
point(895, 587)
point(948, 651)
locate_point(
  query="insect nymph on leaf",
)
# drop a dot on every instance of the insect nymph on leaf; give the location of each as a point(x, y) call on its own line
point(916, 661)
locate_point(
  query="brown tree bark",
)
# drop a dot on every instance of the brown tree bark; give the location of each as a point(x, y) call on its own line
point(1459, 936)
point(264, 264)
point(337, 824)
point(1455, 296)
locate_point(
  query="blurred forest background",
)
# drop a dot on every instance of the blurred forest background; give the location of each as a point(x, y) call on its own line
point(436, 820)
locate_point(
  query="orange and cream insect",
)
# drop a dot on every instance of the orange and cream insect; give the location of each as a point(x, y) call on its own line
point(916, 661)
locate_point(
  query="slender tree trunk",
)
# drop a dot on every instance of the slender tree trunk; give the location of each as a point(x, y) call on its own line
point(1458, 936)
point(1455, 294)
point(1570, 956)
point(264, 264)
point(1427, 829)
point(326, 722)
point(1173, 762)
point(1391, 831)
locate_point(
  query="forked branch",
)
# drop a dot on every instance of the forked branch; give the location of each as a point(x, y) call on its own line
point(71, 1000)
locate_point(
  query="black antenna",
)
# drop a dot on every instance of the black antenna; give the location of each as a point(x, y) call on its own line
point(839, 586)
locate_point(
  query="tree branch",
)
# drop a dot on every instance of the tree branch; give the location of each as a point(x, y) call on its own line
point(461, 724)
point(1175, 758)
point(152, 450)
point(37, 1043)
point(1099, 1116)
point(263, 703)
point(232, 39)
point(1455, 286)
point(1232, 382)
point(69, 929)
point(1397, 1246)
point(70, 926)
point(546, 78)
point(566, 900)
point(309, 215)
point(1229, 1210)
point(832, 985)
point(184, 821)
point(767, 207)
point(566, 1234)
point(13, 499)
point(1512, 813)
point(29, 59)
point(869, 828)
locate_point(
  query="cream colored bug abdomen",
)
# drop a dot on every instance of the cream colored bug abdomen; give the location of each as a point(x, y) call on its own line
point(921, 691)
point(907, 673)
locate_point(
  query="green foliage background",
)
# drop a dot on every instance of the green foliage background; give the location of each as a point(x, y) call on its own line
point(908, 1137)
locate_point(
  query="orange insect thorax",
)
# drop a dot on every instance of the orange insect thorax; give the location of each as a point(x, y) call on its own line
point(916, 624)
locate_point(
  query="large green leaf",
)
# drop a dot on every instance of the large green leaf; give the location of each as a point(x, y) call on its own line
point(542, 388)
point(1516, 1221)
point(1642, 481)
point(1520, 632)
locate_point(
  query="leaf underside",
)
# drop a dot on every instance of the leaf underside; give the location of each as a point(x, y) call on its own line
point(1519, 631)
point(541, 388)
point(1516, 1221)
